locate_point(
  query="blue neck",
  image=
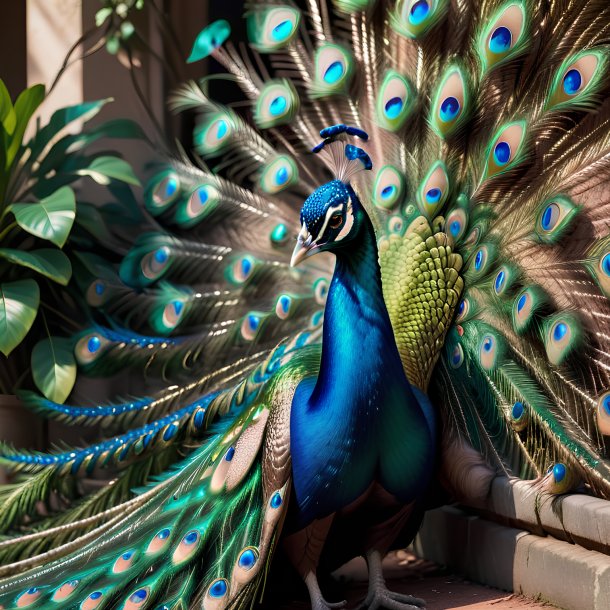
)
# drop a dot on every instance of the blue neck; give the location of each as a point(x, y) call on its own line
point(358, 351)
point(359, 421)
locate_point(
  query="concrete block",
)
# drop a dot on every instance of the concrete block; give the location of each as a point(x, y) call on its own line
point(562, 574)
point(473, 547)
point(566, 575)
point(443, 537)
point(490, 552)
point(587, 520)
point(575, 518)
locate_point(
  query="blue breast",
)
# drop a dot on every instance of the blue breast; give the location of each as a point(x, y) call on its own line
point(359, 421)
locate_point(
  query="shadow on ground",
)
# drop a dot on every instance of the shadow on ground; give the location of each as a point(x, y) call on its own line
point(405, 574)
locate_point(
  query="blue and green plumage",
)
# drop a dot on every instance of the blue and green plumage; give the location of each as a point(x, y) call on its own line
point(468, 306)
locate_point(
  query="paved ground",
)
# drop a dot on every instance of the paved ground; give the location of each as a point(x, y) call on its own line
point(408, 574)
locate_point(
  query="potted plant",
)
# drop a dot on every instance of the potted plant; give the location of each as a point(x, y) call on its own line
point(38, 214)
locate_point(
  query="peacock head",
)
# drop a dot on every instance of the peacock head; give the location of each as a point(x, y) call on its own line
point(330, 219)
point(332, 215)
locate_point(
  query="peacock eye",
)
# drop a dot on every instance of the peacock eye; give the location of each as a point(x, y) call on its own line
point(335, 221)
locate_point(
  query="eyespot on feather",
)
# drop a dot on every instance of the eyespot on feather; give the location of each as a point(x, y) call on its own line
point(434, 190)
point(29, 597)
point(578, 80)
point(251, 325)
point(214, 132)
point(279, 174)
point(320, 289)
point(159, 541)
point(415, 18)
point(560, 479)
point(395, 101)
point(270, 29)
point(456, 224)
point(137, 599)
point(519, 416)
point(124, 562)
point(554, 218)
point(481, 261)
point(525, 306)
point(93, 600)
point(503, 280)
point(504, 35)
point(66, 590)
point(162, 191)
point(490, 351)
point(333, 70)
point(449, 107)
point(90, 347)
point(389, 188)
point(504, 151)
point(465, 310)
point(187, 547)
point(241, 269)
point(200, 203)
point(277, 104)
point(562, 334)
point(155, 264)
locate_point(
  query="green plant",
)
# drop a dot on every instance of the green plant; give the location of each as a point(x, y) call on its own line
point(38, 209)
point(116, 13)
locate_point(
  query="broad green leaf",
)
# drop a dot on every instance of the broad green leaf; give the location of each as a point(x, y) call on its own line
point(7, 112)
point(54, 368)
point(49, 262)
point(104, 168)
point(92, 220)
point(62, 118)
point(25, 106)
point(18, 308)
point(51, 218)
point(71, 143)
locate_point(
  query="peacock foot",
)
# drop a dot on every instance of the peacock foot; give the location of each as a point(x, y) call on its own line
point(315, 595)
point(381, 597)
point(321, 604)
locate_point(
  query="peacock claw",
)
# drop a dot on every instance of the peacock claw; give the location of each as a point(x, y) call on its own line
point(322, 604)
point(317, 601)
point(380, 597)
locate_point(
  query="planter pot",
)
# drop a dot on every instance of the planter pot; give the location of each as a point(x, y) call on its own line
point(19, 427)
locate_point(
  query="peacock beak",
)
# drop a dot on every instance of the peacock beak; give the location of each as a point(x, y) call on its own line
point(301, 252)
point(305, 247)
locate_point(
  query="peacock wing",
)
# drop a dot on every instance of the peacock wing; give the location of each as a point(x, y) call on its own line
point(202, 533)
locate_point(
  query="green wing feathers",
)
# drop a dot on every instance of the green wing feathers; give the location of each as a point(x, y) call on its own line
point(422, 287)
point(204, 530)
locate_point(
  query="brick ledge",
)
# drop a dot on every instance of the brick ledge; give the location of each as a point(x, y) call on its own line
point(544, 568)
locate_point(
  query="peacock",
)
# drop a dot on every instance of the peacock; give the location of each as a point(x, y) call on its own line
point(384, 271)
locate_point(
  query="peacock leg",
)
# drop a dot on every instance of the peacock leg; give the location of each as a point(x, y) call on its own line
point(379, 596)
point(303, 548)
point(317, 601)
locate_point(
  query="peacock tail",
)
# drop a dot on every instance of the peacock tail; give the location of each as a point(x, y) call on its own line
point(489, 137)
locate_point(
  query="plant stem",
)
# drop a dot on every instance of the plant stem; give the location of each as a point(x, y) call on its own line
point(67, 63)
point(7, 230)
point(142, 98)
point(58, 313)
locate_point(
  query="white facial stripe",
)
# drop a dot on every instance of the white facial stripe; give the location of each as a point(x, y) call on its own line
point(347, 227)
point(329, 213)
